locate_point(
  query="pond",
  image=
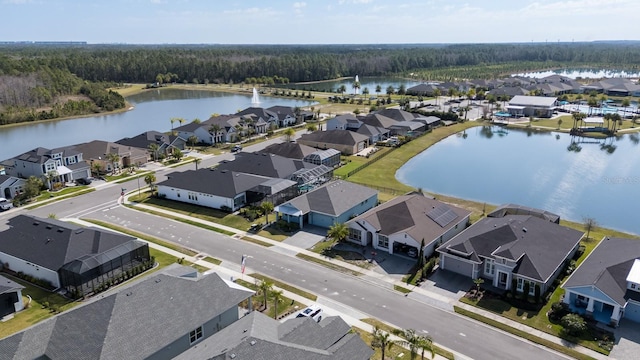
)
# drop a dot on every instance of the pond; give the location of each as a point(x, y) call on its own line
point(573, 177)
point(153, 110)
point(582, 73)
point(365, 82)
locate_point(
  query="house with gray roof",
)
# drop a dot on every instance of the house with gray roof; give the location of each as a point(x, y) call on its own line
point(158, 317)
point(11, 186)
point(297, 338)
point(343, 122)
point(404, 222)
point(614, 87)
point(285, 114)
point(379, 120)
point(375, 134)
point(165, 143)
point(61, 165)
point(10, 297)
point(345, 141)
point(333, 203)
point(397, 114)
point(225, 189)
point(538, 106)
point(511, 251)
point(96, 154)
point(423, 90)
point(606, 286)
point(68, 256)
point(515, 209)
point(291, 150)
point(262, 119)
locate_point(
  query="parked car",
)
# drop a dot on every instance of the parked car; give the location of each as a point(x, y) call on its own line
point(83, 181)
point(313, 311)
point(412, 252)
point(236, 148)
point(5, 204)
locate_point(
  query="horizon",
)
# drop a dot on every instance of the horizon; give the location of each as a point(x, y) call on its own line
point(331, 22)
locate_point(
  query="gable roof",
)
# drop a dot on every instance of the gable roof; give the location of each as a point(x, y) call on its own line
point(51, 243)
point(370, 130)
point(97, 149)
point(523, 100)
point(41, 155)
point(539, 246)
point(259, 112)
point(607, 268)
point(397, 114)
point(7, 285)
point(126, 322)
point(282, 112)
point(289, 150)
point(298, 338)
point(339, 137)
point(514, 209)
point(264, 164)
point(417, 215)
point(333, 198)
point(147, 138)
point(217, 181)
point(379, 120)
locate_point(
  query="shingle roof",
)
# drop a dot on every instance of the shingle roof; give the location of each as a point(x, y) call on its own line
point(523, 100)
point(409, 213)
point(282, 111)
point(265, 165)
point(52, 243)
point(99, 149)
point(333, 198)
point(289, 150)
point(145, 139)
point(607, 268)
point(379, 120)
point(133, 323)
point(7, 285)
point(397, 114)
point(539, 246)
point(340, 137)
point(514, 209)
point(217, 181)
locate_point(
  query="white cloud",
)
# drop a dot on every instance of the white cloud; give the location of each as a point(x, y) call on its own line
point(341, 2)
point(299, 5)
point(158, 1)
point(17, 2)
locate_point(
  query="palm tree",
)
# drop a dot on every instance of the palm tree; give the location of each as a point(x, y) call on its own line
point(470, 94)
point(288, 134)
point(365, 91)
point(312, 127)
point(592, 102)
point(437, 94)
point(177, 153)
point(577, 117)
point(356, 87)
point(425, 343)
point(150, 179)
point(153, 147)
point(277, 297)
point(96, 167)
point(114, 159)
point(381, 340)
point(265, 287)
point(411, 340)
point(402, 90)
point(53, 174)
point(267, 208)
point(451, 92)
point(342, 89)
point(214, 130)
point(390, 90)
point(192, 140)
point(338, 232)
point(197, 161)
point(625, 103)
point(378, 90)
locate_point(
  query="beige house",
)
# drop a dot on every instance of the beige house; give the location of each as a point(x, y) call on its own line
point(346, 141)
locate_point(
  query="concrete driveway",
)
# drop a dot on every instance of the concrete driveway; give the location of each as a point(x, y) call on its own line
point(627, 346)
point(307, 237)
point(448, 284)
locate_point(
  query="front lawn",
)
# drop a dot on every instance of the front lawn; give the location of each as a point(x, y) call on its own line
point(286, 306)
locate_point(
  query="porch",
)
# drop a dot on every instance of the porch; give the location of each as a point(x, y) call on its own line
point(599, 311)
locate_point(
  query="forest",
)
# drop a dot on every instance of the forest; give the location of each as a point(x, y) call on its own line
point(33, 78)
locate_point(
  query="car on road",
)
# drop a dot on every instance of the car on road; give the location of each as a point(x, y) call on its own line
point(5, 204)
point(236, 148)
point(83, 181)
point(313, 311)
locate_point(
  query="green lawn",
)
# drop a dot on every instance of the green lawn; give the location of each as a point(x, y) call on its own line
point(68, 191)
point(329, 264)
point(285, 305)
point(285, 286)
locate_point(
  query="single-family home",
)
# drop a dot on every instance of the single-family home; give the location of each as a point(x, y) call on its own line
point(538, 106)
point(158, 317)
point(614, 87)
point(97, 154)
point(606, 286)
point(77, 259)
point(156, 143)
point(333, 203)
point(11, 186)
point(403, 223)
point(291, 150)
point(430, 122)
point(374, 134)
point(345, 141)
point(10, 297)
point(343, 122)
point(397, 114)
point(262, 119)
point(61, 165)
point(379, 120)
point(423, 90)
point(225, 189)
point(328, 157)
point(286, 115)
point(511, 251)
point(407, 128)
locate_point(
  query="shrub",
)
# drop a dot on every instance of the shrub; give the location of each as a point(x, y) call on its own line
point(537, 291)
point(226, 209)
point(573, 324)
point(558, 311)
point(514, 287)
point(525, 290)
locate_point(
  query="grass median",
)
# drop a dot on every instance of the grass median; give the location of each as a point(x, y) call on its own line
point(329, 264)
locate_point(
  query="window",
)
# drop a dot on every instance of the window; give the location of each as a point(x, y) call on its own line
point(633, 286)
point(355, 234)
point(195, 335)
point(532, 286)
point(383, 241)
point(489, 267)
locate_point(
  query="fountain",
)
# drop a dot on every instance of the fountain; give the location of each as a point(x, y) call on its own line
point(356, 89)
point(255, 99)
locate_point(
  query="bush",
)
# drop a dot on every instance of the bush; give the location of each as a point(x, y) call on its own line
point(558, 311)
point(573, 324)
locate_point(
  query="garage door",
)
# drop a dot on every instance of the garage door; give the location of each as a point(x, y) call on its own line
point(632, 312)
point(457, 266)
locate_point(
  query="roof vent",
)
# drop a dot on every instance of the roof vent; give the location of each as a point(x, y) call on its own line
point(79, 231)
point(36, 223)
point(223, 171)
point(524, 229)
point(244, 331)
point(129, 293)
point(253, 342)
point(233, 356)
point(49, 227)
point(60, 230)
point(158, 280)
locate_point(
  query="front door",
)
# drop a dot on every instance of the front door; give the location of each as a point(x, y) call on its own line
point(502, 280)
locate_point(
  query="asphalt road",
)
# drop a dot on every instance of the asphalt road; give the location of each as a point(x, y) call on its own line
point(458, 333)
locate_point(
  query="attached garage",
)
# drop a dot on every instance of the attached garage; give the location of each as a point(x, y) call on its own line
point(456, 265)
point(632, 311)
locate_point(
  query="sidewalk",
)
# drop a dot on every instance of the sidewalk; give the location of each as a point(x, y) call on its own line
point(371, 276)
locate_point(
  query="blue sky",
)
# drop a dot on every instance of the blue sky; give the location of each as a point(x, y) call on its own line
point(317, 22)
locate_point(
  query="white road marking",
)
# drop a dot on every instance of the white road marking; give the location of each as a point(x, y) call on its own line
point(463, 335)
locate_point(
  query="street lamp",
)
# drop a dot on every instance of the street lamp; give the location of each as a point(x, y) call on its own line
point(138, 187)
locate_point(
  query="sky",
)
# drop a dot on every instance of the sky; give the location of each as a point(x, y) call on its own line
point(317, 22)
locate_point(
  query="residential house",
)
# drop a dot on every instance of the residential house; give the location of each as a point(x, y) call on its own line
point(430, 122)
point(96, 154)
point(285, 114)
point(515, 209)
point(606, 286)
point(225, 189)
point(158, 317)
point(68, 256)
point(61, 165)
point(150, 140)
point(291, 150)
point(345, 141)
point(201, 131)
point(511, 251)
point(508, 91)
point(343, 122)
point(11, 186)
point(10, 297)
point(259, 336)
point(379, 120)
point(333, 203)
point(614, 87)
point(328, 157)
point(423, 90)
point(538, 106)
point(397, 114)
point(262, 119)
point(374, 134)
point(404, 222)
point(407, 128)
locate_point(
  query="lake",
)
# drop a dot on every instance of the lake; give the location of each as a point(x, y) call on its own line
point(573, 177)
point(369, 82)
point(152, 111)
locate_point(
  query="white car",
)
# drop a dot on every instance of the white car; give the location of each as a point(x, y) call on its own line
point(313, 311)
point(5, 204)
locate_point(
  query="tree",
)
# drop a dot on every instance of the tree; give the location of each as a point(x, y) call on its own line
point(177, 153)
point(378, 90)
point(150, 180)
point(365, 91)
point(573, 324)
point(478, 281)
point(312, 127)
point(402, 90)
point(267, 208)
point(390, 90)
point(577, 117)
point(277, 298)
point(559, 123)
point(153, 147)
point(625, 103)
point(114, 159)
point(338, 232)
point(437, 93)
point(265, 288)
point(411, 339)
point(214, 130)
point(425, 343)
point(381, 340)
point(96, 167)
point(197, 161)
point(421, 252)
point(288, 133)
point(50, 176)
point(589, 224)
point(32, 187)
point(341, 89)
point(192, 140)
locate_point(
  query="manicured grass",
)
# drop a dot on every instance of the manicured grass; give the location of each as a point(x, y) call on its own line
point(273, 233)
point(322, 246)
point(256, 241)
point(497, 324)
point(142, 236)
point(65, 193)
point(285, 306)
point(183, 220)
point(351, 163)
point(285, 286)
point(129, 89)
point(212, 260)
point(401, 289)
point(35, 312)
point(125, 175)
point(329, 264)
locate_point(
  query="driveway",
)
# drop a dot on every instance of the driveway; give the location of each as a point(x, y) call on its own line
point(627, 346)
point(307, 237)
point(447, 284)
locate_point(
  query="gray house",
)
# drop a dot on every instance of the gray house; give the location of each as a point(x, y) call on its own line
point(606, 286)
point(335, 202)
point(59, 165)
point(10, 297)
point(11, 186)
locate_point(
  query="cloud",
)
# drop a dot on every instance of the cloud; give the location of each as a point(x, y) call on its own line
point(17, 2)
point(341, 2)
point(158, 1)
point(299, 5)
